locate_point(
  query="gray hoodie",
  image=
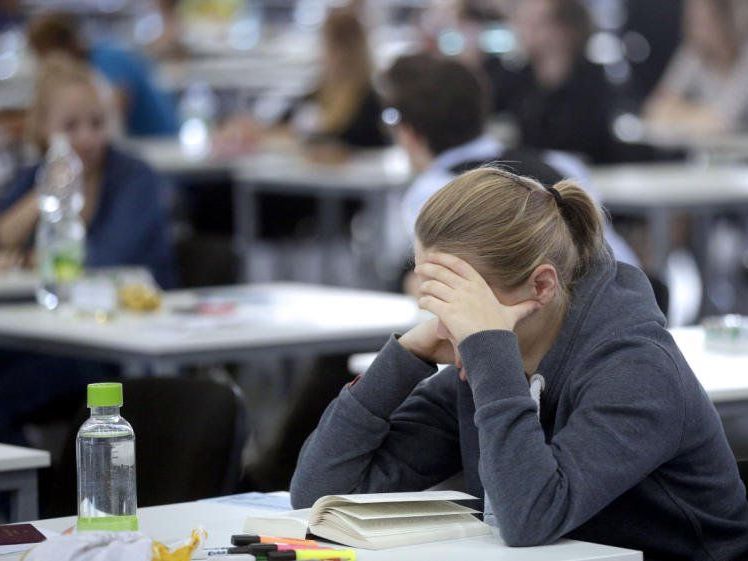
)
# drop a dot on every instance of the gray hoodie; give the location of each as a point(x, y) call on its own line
point(628, 450)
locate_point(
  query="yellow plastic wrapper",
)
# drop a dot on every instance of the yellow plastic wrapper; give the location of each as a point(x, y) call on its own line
point(182, 551)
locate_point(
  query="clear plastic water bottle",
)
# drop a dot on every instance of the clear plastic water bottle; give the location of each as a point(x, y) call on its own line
point(197, 108)
point(60, 234)
point(105, 454)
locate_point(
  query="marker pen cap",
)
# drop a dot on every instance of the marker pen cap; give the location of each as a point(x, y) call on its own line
point(261, 548)
point(244, 539)
point(281, 556)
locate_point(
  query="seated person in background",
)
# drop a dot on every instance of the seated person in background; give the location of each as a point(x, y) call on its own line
point(439, 110)
point(168, 45)
point(705, 88)
point(146, 110)
point(124, 212)
point(568, 405)
point(343, 109)
point(559, 99)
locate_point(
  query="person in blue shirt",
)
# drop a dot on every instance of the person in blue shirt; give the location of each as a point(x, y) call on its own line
point(125, 218)
point(147, 110)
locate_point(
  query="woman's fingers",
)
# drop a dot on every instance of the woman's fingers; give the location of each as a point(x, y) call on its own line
point(440, 273)
point(437, 289)
point(455, 264)
point(433, 305)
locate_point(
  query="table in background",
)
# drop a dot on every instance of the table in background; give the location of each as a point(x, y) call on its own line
point(17, 285)
point(373, 176)
point(659, 192)
point(170, 523)
point(724, 375)
point(18, 476)
point(284, 319)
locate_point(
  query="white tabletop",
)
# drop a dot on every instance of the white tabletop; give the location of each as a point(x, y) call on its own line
point(17, 284)
point(264, 316)
point(174, 522)
point(13, 458)
point(724, 375)
point(365, 170)
point(671, 185)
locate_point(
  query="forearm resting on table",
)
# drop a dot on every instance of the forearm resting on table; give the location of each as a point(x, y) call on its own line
point(18, 222)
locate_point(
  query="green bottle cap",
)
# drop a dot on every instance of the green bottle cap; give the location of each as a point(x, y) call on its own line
point(105, 394)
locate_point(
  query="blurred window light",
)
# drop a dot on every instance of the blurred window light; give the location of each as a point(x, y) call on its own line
point(497, 41)
point(628, 127)
point(636, 46)
point(451, 42)
point(604, 48)
point(149, 28)
point(618, 73)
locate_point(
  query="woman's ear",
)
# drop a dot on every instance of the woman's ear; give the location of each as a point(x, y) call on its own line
point(543, 284)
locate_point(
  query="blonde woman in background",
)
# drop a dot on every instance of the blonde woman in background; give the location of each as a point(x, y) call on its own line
point(342, 109)
point(126, 224)
point(568, 405)
point(705, 88)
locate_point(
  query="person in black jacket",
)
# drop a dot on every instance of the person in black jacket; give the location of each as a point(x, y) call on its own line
point(559, 99)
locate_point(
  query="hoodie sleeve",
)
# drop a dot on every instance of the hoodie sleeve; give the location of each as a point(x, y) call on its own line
point(394, 430)
point(628, 419)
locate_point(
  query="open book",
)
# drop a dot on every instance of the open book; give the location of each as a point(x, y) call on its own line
point(377, 521)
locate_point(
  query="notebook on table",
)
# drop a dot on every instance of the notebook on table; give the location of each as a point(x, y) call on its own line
point(378, 520)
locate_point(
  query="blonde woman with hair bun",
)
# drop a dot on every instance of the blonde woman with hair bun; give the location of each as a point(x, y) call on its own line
point(566, 405)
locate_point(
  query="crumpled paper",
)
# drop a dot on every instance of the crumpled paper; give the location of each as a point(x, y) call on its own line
point(113, 546)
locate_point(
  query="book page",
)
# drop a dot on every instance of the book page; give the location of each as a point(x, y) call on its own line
point(291, 524)
point(368, 511)
point(396, 497)
point(389, 526)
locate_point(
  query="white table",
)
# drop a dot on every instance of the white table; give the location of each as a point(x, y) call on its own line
point(373, 176)
point(174, 522)
point(18, 476)
point(17, 285)
point(656, 191)
point(724, 375)
point(284, 318)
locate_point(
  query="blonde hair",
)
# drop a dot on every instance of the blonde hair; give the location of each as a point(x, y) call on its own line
point(508, 225)
point(342, 89)
point(55, 72)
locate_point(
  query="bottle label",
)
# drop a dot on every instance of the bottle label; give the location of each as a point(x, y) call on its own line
point(107, 524)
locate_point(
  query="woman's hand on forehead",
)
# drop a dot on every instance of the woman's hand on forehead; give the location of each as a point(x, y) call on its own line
point(460, 297)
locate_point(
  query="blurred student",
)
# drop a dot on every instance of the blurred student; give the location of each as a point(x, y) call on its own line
point(125, 219)
point(146, 110)
point(343, 108)
point(169, 44)
point(124, 211)
point(559, 99)
point(705, 88)
point(566, 406)
point(438, 115)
